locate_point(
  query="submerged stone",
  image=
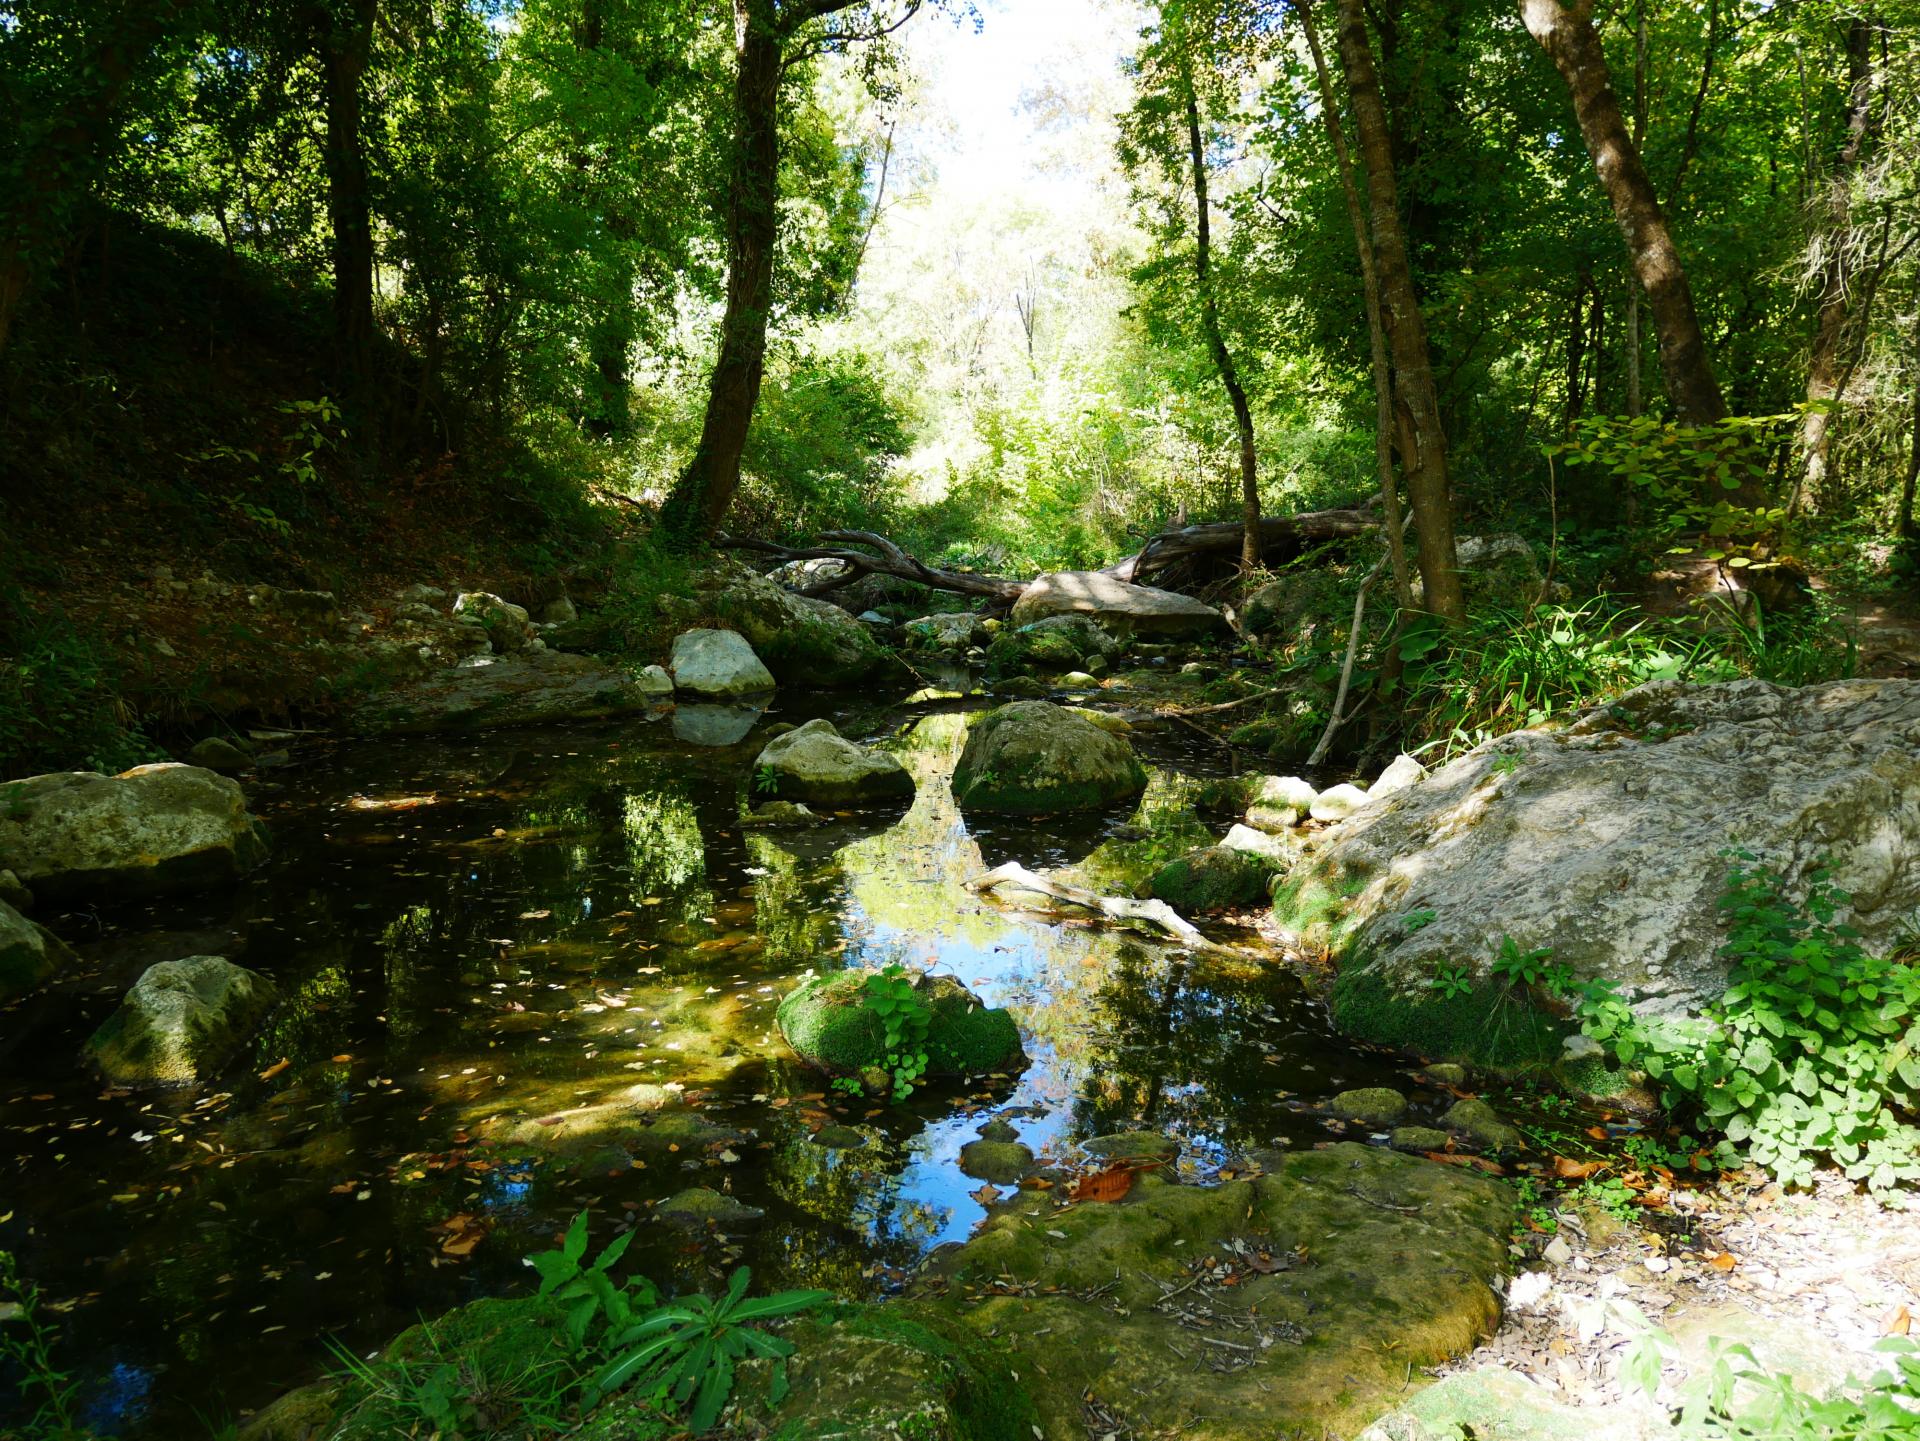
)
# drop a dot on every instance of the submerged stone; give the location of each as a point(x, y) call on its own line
point(1132, 1146)
point(1030, 758)
point(1417, 1138)
point(1374, 1106)
point(1001, 1162)
point(780, 815)
point(491, 693)
point(826, 1020)
point(30, 955)
point(1482, 1125)
point(698, 1206)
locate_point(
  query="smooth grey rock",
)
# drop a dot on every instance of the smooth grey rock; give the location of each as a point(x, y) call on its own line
point(217, 753)
point(1403, 772)
point(558, 611)
point(1336, 803)
point(182, 1021)
point(79, 835)
point(30, 955)
point(653, 680)
point(1278, 850)
point(718, 664)
point(1604, 841)
point(817, 764)
point(951, 632)
point(698, 1207)
point(1131, 609)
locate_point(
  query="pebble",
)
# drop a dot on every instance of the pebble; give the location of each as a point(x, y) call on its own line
point(1557, 1252)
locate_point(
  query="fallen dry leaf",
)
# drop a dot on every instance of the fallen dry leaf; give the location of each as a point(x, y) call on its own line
point(1723, 1260)
point(275, 1069)
point(1897, 1322)
point(1568, 1169)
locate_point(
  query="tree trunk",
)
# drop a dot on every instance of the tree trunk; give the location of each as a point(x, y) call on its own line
point(1913, 452)
point(1823, 358)
point(1426, 464)
point(1210, 323)
point(1568, 37)
point(700, 499)
point(1383, 423)
point(346, 41)
point(1634, 403)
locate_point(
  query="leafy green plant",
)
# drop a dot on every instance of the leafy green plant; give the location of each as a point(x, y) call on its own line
point(1611, 1194)
point(1809, 1053)
point(26, 1345)
point(687, 1348)
point(766, 780)
point(1450, 981)
point(1740, 1399)
point(449, 1396)
point(1414, 921)
point(1531, 969)
point(904, 1019)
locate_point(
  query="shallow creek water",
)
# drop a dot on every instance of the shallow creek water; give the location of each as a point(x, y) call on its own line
point(501, 957)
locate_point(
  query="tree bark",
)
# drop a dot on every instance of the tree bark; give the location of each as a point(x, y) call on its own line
point(1210, 324)
point(1837, 272)
point(1913, 452)
point(1383, 423)
point(345, 30)
point(878, 556)
point(1571, 42)
point(1634, 402)
point(1425, 459)
point(705, 490)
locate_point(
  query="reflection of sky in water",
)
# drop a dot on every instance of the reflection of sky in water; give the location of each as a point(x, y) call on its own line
point(120, 1398)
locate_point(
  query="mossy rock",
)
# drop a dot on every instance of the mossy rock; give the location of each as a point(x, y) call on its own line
point(1417, 1139)
point(1374, 1106)
point(827, 1021)
point(1056, 644)
point(1483, 1126)
point(1488, 1025)
point(30, 955)
point(1002, 1162)
point(1388, 1263)
point(891, 1372)
point(1213, 879)
point(1033, 758)
point(1132, 1146)
point(182, 1021)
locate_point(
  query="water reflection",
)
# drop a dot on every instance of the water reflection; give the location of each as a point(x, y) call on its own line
point(547, 982)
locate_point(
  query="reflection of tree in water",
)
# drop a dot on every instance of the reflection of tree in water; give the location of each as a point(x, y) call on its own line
point(841, 1211)
point(664, 848)
point(1182, 1046)
point(793, 910)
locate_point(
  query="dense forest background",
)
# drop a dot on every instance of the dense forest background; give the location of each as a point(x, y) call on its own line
point(304, 290)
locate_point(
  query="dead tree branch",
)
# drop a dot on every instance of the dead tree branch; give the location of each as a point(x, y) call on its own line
point(1283, 533)
point(880, 557)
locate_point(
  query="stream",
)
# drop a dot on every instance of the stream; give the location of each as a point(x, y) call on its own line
point(513, 965)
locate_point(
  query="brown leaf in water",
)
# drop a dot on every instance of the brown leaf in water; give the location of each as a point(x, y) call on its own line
point(341, 1059)
point(1479, 1163)
point(275, 1069)
point(986, 1195)
point(1111, 1184)
point(1568, 1169)
point(1599, 1133)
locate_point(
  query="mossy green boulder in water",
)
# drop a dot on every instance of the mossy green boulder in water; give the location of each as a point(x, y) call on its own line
point(828, 1022)
point(817, 764)
point(1212, 879)
point(1033, 758)
point(29, 954)
point(1377, 1265)
point(181, 1022)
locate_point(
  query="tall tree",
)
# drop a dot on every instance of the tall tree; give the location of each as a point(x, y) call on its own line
point(1836, 262)
point(1423, 440)
point(771, 38)
point(1250, 546)
point(343, 33)
point(1568, 36)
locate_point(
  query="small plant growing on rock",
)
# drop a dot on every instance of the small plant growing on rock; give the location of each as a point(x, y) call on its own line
point(1530, 970)
point(766, 780)
point(1449, 981)
point(904, 1019)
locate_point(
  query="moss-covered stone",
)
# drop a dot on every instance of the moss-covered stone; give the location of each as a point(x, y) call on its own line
point(893, 1372)
point(1002, 1162)
point(29, 954)
point(1419, 1139)
point(1056, 644)
point(1132, 1146)
point(803, 641)
point(1213, 879)
point(1032, 758)
point(1375, 1106)
point(698, 1207)
point(180, 1023)
point(1482, 1126)
point(1488, 1025)
point(828, 1022)
point(1387, 1263)
point(816, 764)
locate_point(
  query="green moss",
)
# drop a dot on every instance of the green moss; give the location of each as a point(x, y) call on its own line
point(1488, 1025)
point(826, 1021)
point(1315, 909)
point(1213, 879)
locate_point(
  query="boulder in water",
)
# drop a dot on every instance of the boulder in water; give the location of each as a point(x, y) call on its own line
point(1336, 803)
point(828, 1022)
point(1211, 879)
point(718, 664)
point(30, 955)
point(1051, 645)
point(816, 764)
point(803, 641)
point(82, 836)
point(1031, 758)
point(182, 1021)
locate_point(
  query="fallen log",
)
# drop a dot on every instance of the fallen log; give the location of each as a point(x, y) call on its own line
point(880, 557)
point(1222, 538)
point(1157, 914)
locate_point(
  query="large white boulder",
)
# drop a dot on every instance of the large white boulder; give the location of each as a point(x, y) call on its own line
point(1605, 841)
point(718, 664)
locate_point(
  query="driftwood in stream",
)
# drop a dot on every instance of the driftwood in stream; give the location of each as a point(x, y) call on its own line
point(880, 557)
point(1222, 539)
point(1157, 914)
